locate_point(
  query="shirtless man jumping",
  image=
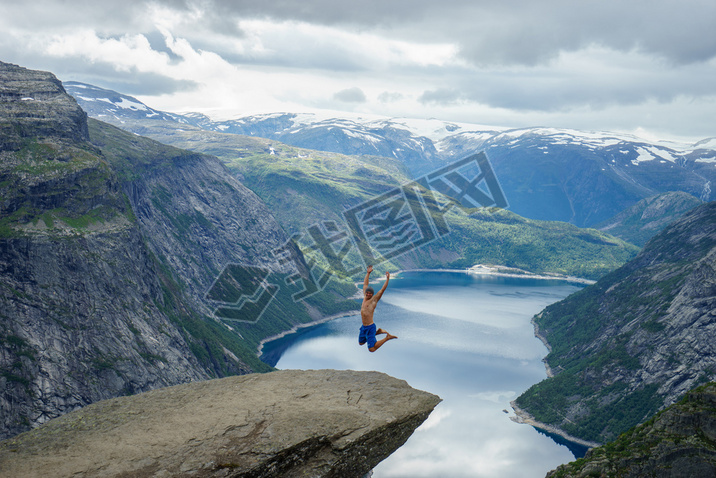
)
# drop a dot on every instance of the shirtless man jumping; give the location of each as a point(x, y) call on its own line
point(370, 300)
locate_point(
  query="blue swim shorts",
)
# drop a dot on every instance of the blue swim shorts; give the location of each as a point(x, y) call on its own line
point(367, 334)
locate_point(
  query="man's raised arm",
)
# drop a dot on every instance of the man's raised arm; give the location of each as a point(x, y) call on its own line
point(382, 289)
point(367, 278)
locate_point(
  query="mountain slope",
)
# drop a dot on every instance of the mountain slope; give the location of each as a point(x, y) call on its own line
point(635, 341)
point(109, 243)
point(640, 222)
point(679, 442)
point(586, 178)
point(306, 188)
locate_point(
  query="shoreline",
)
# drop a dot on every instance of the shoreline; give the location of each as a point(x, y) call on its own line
point(523, 417)
point(298, 327)
point(477, 269)
point(504, 271)
point(542, 339)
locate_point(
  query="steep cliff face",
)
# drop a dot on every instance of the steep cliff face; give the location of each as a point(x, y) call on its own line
point(196, 216)
point(108, 242)
point(679, 442)
point(635, 341)
point(34, 103)
point(81, 322)
point(321, 423)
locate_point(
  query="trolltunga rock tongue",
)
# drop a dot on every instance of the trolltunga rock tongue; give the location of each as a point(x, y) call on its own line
point(285, 423)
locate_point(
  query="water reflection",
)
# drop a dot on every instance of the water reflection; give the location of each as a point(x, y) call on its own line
point(467, 339)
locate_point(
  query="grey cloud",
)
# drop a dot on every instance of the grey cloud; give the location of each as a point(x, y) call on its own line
point(441, 96)
point(103, 74)
point(329, 12)
point(351, 95)
point(147, 84)
point(534, 32)
point(291, 53)
point(390, 97)
point(108, 17)
point(158, 42)
point(487, 32)
point(514, 31)
point(545, 90)
point(518, 52)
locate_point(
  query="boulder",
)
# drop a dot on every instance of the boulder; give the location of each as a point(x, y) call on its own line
point(322, 423)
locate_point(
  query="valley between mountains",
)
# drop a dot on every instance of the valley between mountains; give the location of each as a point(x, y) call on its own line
point(117, 222)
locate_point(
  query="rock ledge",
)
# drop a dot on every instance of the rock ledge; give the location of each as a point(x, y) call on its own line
point(284, 423)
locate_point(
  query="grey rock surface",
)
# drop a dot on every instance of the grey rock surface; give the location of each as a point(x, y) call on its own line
point(321, 423)
point(108, 242)
point(637, 340)
point(35, 103)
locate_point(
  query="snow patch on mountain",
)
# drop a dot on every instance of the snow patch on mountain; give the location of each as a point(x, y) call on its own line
point(644, 155)
point(708, 143)
point(650, 153)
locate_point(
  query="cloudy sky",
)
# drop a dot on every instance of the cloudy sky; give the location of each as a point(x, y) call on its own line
point(640, 66)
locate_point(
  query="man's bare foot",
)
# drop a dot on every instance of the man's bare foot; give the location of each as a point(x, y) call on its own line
point(391, 336)
point(380, 331)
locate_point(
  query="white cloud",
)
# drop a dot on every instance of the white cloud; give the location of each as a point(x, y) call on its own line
point(127, 53)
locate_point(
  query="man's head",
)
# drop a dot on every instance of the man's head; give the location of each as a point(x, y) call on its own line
point(369, 292)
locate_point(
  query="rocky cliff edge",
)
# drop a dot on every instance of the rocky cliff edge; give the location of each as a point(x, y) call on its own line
point(321, 423)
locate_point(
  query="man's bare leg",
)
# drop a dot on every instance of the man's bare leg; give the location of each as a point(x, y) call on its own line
point(382, 341)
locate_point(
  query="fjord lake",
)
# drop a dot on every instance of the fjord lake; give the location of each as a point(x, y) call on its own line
point(465, 337)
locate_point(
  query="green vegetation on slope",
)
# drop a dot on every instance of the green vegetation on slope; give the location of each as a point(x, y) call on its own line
point(57, 187)
point(682, 436)
point(579, 354)
point(138, 158)
point(643, 220)
point(621, 348)
point(304, 187)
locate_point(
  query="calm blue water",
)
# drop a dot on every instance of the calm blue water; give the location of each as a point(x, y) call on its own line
point(465, 338)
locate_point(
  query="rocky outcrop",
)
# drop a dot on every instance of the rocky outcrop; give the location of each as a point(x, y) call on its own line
point(680, 442)
point(637, 340)
point(34, 103)
point(322, 423)
point(108, 242)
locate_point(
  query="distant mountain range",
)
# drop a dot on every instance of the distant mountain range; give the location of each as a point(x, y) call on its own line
point(307, 187)
point(583, 178)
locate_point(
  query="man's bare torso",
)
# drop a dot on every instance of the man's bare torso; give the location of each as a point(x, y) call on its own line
point(367, 309)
